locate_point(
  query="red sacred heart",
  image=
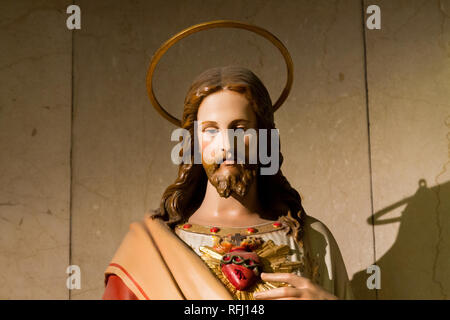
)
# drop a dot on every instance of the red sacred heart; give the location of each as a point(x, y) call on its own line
point(240, 268)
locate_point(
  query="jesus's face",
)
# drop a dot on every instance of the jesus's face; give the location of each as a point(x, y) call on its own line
point(219, 112)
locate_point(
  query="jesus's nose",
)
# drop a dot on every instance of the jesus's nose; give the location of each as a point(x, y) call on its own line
point(227, 146)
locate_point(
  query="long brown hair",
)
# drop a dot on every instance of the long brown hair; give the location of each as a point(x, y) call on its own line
point(182, 198)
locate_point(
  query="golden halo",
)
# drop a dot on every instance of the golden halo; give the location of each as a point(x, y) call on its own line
point(210, 25)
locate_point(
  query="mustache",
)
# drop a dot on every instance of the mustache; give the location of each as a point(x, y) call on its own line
point(211, 168)
point(219, 156)
point(236, 159)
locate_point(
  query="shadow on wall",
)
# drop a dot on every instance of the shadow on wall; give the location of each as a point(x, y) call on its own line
point(417, 266)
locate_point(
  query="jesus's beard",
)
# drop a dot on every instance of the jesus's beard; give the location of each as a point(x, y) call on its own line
point(228, 183)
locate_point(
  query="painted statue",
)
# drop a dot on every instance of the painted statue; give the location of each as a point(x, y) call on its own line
point(230, 226)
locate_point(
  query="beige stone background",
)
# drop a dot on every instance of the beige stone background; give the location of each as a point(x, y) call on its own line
point(83, 153)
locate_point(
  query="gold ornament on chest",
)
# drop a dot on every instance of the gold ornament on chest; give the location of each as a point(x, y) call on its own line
point(239, 260)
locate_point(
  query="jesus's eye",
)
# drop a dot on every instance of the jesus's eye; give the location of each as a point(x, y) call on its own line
point(211, 131)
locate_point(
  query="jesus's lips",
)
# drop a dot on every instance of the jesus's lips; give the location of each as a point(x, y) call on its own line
point(229, 162)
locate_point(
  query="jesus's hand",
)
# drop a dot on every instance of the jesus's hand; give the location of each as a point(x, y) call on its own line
point(301, 288)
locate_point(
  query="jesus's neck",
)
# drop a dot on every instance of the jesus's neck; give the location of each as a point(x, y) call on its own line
point(233, 211)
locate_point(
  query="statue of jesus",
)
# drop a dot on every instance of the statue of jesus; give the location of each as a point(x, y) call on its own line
point(230, 226)
point(217, 215)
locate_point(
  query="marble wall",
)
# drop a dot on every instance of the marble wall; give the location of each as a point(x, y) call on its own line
point(35, 143)
point(408, 67)
point(84, 154)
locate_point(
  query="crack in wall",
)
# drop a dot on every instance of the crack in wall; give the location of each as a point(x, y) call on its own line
point(445, 15)
point(72, 138)
point(8, 204)
point(412, 16)
point(438, 217)
point(366, 85)
point(325, 40)
point(443, 10)
point(24, 16)
point(32, 59)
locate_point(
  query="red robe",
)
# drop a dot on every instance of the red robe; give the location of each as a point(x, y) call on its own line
point(152, 256)
point(117, 290)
